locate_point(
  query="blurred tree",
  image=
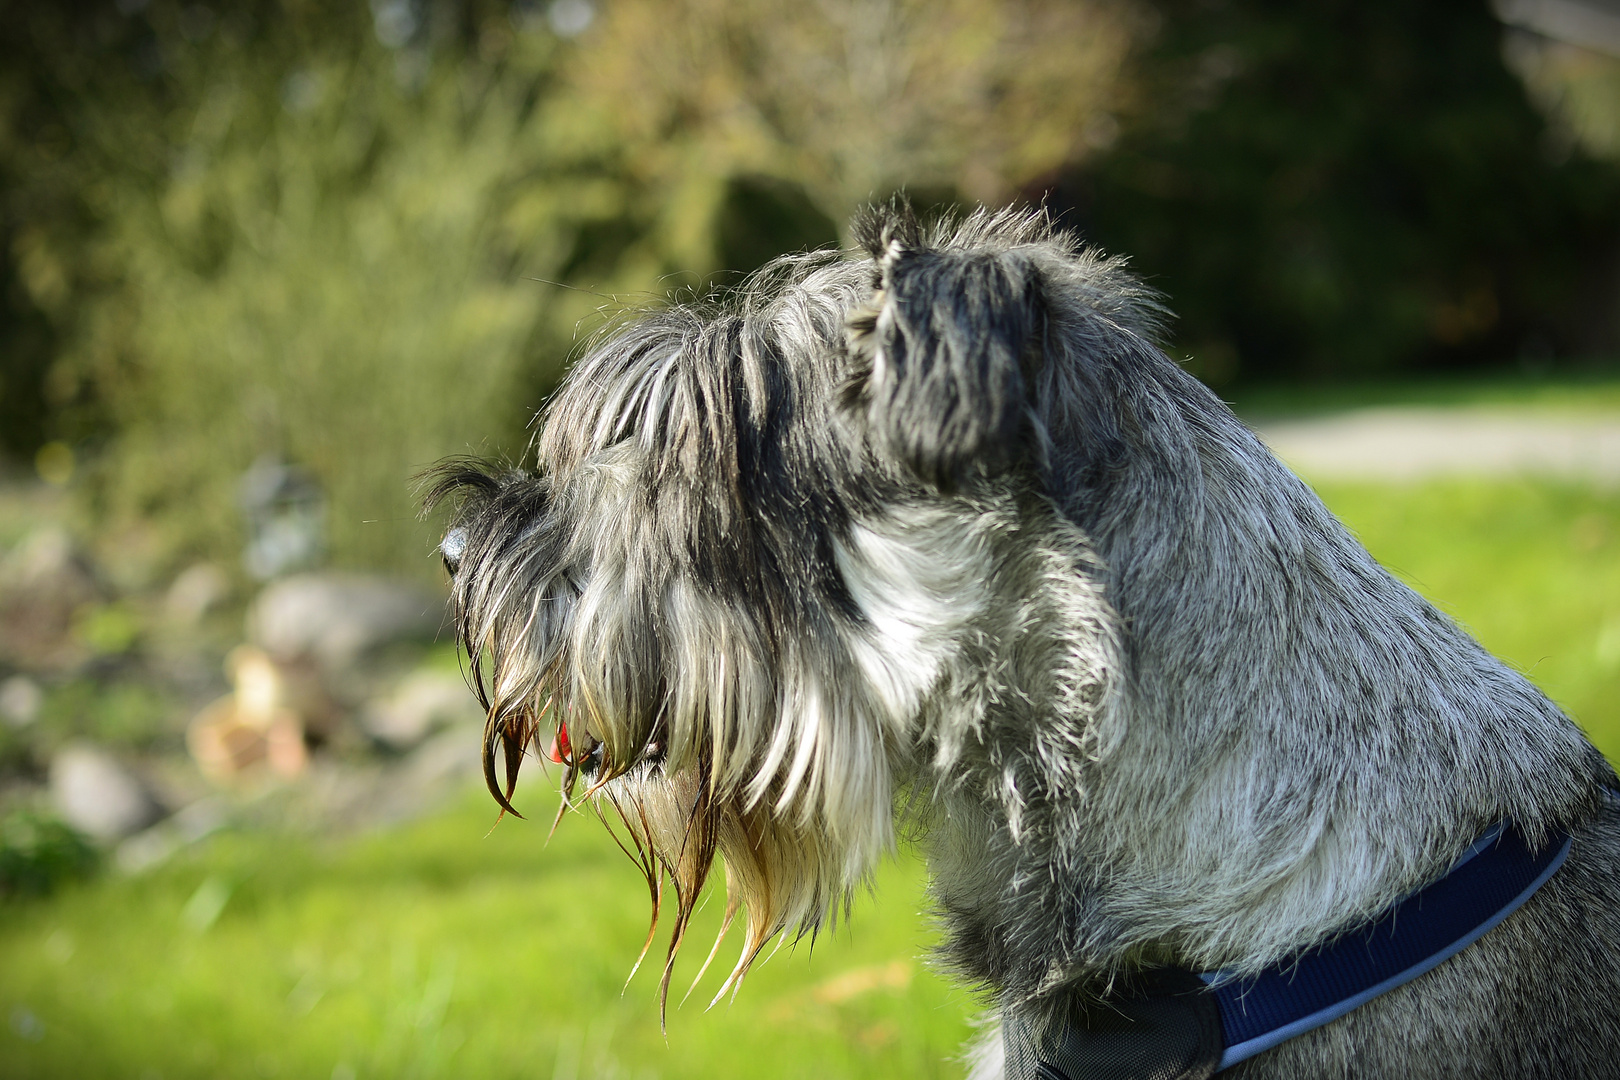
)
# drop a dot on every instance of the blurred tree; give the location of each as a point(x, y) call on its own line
point(762, 217)
point(1347, 187)
point(850, 99)
point(52, 57)
point(272, 227)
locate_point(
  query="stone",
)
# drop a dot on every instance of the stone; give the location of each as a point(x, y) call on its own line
point(421, 704)
point(97, 795)
point(44, 581)
point(337, 618)
point(198, 590)
point(453, 756)
point(442, 768)
point(286, 518)
point(20, 701)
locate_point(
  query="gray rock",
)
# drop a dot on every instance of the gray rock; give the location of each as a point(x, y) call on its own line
point(453, 756)
point(422, 703)
point(199, 589)
point(336, 618)
point(20, 701)
point(286, 517)
point(97, 795)
point(442, 768)
point(43, 582)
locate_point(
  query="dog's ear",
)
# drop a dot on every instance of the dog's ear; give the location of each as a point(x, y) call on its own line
point(942, 353)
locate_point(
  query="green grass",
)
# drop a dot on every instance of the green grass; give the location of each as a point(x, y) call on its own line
point(1594, 387)
point(437, 950)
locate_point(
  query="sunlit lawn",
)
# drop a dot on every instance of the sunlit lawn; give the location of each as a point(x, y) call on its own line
point(437, 950)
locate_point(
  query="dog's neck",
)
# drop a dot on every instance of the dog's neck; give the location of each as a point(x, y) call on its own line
point(1267, 793)
point(1259, 739)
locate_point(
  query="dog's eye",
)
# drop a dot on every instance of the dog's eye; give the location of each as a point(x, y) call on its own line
point(452, 547)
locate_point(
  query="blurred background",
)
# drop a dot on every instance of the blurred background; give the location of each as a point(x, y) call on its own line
point(261, 261)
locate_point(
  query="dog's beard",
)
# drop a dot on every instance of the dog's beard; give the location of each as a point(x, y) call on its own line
point(778, 875)
point(674, 804)
point(692, 727)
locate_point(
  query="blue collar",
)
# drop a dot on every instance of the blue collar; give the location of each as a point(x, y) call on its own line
point(1493, 877)
point(1173, 1024)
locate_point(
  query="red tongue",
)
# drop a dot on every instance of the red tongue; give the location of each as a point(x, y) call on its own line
point(560, 749)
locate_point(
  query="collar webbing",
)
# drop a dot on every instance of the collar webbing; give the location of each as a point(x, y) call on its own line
point(1172, 1024)
point(1493, 877)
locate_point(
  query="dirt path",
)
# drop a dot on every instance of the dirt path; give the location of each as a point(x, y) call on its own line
point(1408, 443)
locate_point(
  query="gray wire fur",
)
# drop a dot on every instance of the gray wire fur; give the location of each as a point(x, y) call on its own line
point(940, 527)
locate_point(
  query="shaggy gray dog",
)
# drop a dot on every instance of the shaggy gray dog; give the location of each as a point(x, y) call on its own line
point(940, 534)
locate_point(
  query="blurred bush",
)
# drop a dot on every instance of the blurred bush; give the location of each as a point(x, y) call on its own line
point(852, 99)
point(330, 261)
point(39, 853)
point(1346, 188)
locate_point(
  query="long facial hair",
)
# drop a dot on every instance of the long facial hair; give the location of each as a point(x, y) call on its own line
point(657, 608)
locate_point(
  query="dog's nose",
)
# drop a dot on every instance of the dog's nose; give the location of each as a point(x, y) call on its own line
point(452, 547)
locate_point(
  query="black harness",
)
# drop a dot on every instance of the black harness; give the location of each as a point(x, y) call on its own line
point(1169, 1024)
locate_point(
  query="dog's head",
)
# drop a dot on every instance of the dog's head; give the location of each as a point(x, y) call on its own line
point(782, 557)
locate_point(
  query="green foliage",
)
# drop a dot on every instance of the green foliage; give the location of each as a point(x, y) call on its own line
point(118, 712)
point(848, 99)
point(1349, 188)
point(38, 854)
point(329, 234)
point(337, 271)
point(263, 232)
point(107, 629)
point(315, 231)
point(761, 218)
